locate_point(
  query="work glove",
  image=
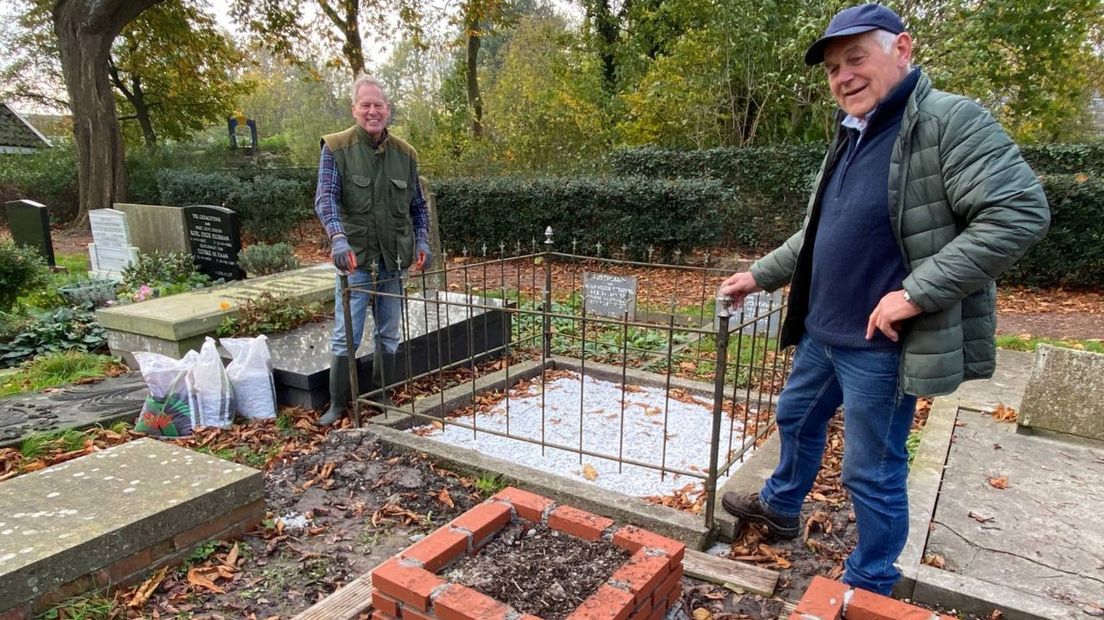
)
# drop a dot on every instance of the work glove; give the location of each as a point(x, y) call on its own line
point(423, 255)
point(342, 255)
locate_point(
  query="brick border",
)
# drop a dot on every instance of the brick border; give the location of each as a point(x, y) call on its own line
point(645, 587)
point(826, 599)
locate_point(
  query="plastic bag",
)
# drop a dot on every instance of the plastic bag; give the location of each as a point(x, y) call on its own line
point(250, 372)
point(169, 410)
point(214, 394)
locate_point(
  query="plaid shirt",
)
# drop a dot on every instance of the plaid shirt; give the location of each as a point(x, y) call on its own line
point(327, 199)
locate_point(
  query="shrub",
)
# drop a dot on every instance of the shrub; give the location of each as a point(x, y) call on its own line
point(1072, 253)
point(262, 259)
point(635, 212)
point(1065, 158)
point(191, 187)
point(48, 176)
point(160, 274)
point(64, 329)
point(269, 314)
point(272, 207)
point(22, 271)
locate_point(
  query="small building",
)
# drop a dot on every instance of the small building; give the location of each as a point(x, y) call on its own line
point(17, 135)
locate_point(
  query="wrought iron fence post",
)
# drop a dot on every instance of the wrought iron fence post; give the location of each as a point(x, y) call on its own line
point(723, 313)
point(547, 301)
point(350, 347)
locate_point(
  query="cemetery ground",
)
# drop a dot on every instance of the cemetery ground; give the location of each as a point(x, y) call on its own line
point(332, 516)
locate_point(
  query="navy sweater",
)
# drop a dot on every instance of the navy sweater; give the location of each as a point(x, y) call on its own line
point(856, 260)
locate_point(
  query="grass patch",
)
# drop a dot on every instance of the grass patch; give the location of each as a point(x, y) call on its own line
point(489, 484)
point(912, 444)
point(39, 443)
point(1016, 343)
point(54, 369)
point(89, 607)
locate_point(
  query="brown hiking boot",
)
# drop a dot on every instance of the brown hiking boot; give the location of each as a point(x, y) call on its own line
point(749, 508)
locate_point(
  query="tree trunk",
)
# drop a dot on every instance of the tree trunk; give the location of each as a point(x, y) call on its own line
point(142, 112)
point(474, 99)
point(348, 21)
point(85, 30)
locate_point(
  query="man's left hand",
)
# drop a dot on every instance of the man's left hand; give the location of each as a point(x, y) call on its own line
point(887, 317)
point(424, 254)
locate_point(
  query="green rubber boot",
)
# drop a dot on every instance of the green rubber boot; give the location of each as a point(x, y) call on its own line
point(339, 390)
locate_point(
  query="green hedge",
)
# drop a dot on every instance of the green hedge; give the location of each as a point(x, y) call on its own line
point(270, 206)
point(1065, 158)
point(1072, 253)
point(636, 212)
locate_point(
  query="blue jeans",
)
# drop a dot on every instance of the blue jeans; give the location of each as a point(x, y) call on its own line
point(877, 419)
point(386, 311)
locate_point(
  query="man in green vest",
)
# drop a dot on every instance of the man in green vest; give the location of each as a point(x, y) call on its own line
point(371, 205)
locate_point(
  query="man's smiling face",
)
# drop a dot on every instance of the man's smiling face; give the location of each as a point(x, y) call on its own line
point(861, 73)
point(371, 110)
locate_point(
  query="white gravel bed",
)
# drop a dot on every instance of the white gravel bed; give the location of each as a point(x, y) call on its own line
point(688, 427)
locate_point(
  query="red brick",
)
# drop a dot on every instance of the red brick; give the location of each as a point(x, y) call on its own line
point(658, 614)
point(675, 596)
point(529, 506)
point(483, 520)
point(673, 581)
point(823, 599)
point(642, 613)
point(438, 549)
point(407, 584)
point(578, 523)
point(462, 603)
point(249, 515)
point(528, 617)
point(409, 613)
point(608, 603)
point(382, 615)
point(385, 603)
point(15, 613)
point(866, 605)
point(642, 574)
point(633, 538)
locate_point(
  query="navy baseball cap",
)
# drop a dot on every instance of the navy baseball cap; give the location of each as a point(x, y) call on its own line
point(855, 20)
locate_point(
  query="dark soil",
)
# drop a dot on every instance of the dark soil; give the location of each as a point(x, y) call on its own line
point(538, 570)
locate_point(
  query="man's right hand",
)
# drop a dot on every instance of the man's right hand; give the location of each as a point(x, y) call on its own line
point(342, 255)
point(739, 285)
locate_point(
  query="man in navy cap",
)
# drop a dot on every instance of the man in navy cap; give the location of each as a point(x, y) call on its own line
point(921, 202)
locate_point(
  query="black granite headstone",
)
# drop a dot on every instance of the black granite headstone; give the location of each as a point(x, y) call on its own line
point(30, 226)
point(214, 237)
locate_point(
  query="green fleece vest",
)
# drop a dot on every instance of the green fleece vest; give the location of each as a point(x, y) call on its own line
point(375, 196)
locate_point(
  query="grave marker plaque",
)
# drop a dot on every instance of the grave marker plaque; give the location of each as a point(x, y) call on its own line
point(610, 295)
point(756, 304)
point(29, 222)
point(214, 236)
point(110, 251)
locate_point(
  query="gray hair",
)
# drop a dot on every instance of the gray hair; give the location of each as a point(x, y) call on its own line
point(366, 80)
point(887, 40)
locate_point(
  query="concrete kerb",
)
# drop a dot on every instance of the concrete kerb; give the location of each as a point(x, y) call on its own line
point(924, 479)
point(974, 596)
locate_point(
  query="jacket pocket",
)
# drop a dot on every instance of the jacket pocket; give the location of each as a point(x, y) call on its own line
point(400, 202)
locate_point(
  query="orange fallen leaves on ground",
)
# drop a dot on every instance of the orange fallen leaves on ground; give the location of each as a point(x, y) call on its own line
point(998, 482)
point(1004, 413)
point(444, 497)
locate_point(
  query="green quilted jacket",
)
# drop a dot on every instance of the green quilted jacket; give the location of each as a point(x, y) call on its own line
point(964, 207)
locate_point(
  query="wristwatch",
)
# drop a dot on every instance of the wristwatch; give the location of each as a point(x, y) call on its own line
point(908, 298)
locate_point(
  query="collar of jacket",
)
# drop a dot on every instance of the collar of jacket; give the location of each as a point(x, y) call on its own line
point(378, 147)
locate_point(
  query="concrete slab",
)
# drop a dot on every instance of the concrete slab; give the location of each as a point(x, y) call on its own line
point(1043, 535)
point(112, 400)
point(1065, 393)
point(155, 228)
point(1005, 387)
point(198, 313)
point(78, 517)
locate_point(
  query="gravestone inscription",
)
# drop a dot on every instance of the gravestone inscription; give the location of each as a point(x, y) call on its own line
point(29, 222)
point(610, 295)
point(110, 251)
point(214, 236)
point(762, 305)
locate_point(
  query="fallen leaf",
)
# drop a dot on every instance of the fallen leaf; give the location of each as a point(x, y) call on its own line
point(999, 482)
point(935, 560)
point(200, 581)
point(589, 472)
point(1004, 413)
point(702, 613)
point(231, 560)
point(652, 410)
point(444, 498)
point(979, 518)
point(147, 588)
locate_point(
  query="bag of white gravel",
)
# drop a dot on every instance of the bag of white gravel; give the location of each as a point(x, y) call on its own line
point(214, 393)
point(250, 373)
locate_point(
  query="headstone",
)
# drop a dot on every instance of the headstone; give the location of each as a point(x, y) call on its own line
point(609, 295)
point(29, 222)
point(214, 236)
point(1065, 393)
point(763, 305)
point(111, 250)
point(155, 228)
